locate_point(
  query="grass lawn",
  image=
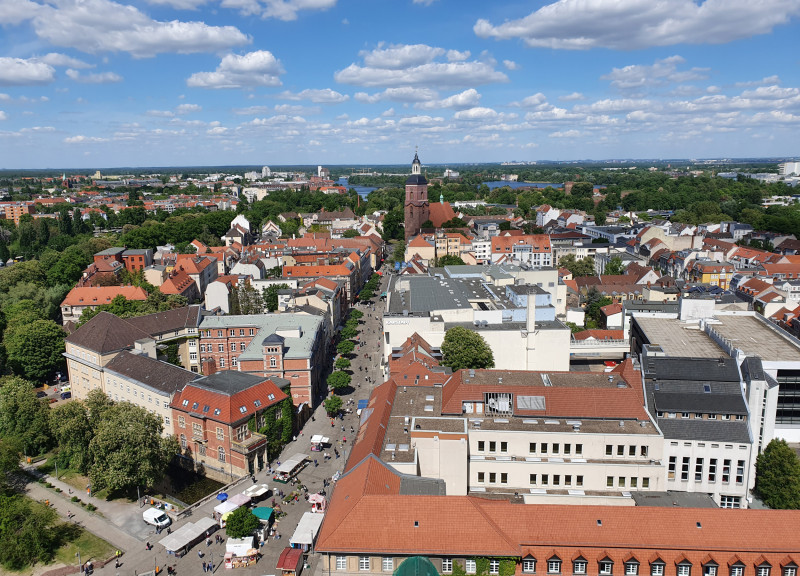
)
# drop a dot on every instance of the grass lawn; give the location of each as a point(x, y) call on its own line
point(89, 545)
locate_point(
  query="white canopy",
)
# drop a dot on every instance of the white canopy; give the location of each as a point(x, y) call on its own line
point(225, 507)
point(240, 499)
point(320, 439)
point(256, 490)
point(292, 463)
point(239, 546)
point(307, 529)
point(187, 534)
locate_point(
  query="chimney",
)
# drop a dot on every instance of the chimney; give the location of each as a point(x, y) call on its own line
point(208, 366)
point(531, 313)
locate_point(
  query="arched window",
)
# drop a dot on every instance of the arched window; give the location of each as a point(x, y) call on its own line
point(183, 441)
point(221, 454)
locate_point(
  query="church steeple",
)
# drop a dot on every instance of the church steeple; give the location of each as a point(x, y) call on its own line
point(416, 165)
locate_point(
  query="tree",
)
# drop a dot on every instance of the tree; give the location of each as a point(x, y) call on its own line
point(778, 476)
point(356, 314)
point(241, 523)
point(332, 405)
point(345, 347)
point(349, 332)
point(351, 233)
point(23, 416)
point(449, 260)
point(342, 363)
point(614, 267)
point(35, 349)
point(27, 532)
point(97, 403)
point(582, 267)
point(73, 433)
point(271, 296)
point(427, 225)
point(464, 348)
point(393, 225)
point(338, 381)
point(128, 450)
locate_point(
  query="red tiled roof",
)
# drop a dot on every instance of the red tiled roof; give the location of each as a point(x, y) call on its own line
point(178, 282)
point(228, 405)
point(598, 334)
point(325, 270)
point(611, 309)
point(440, 213)
point(97, 295)
point(504, 244)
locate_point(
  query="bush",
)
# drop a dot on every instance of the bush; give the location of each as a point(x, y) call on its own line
point(58, 490)
point(74, 499)
point(91, 507)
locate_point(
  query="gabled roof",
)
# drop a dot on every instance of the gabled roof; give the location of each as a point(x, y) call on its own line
point(160, 376)
point(106, 333)
point(439, 213)
point(97, 295)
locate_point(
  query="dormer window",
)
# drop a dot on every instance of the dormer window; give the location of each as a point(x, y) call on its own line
point(185, 403)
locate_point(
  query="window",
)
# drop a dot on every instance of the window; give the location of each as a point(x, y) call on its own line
point(363, 562)
point(233, 346)
point(631, 569)
point(251, 332)
point(503, 478)
point(568, 479)
point(481, 446)
point(221, 347)
point(578, 449)
point(729, 502)
point(197, 430)
point(341, 562)
point(567, 449)
point(387, 564)
point(492, 446)
point(698, 470)
point(645, 482)
point(579, 567)
point(503, 446)
point(553, 566)
point(220, 433)
point(545, 479)
point(447, 565)
point(684, 570)
point(609, 450)
point(726, 470)
point(579, 480)
point(631, 450)
point(182, 421)
point(222, 362)
point(532, 447)
point(241, 346)
point(532, 478)
point(712, 470)
point(610, 481)
point(685, 468)
point(221, 454)
point(494, 566)
point(544, 448)
point(481, 477)
point(469, 566)
point(529, 565)
point(671, 468)
point(710, 570)
point(556, 479)
point(620, 450)
point(657, 569)
point(201, 449)
point(737, 570)
point(492, 477)
point(740, 471)
point(241, 331)
point(790, 571)
point(192, 355)
point(202, 347)
point(606, 567)
point(634, 481)
point(762, 571)
point(643, 451)
point(166, 420)
point(556, 448)
point(183, 441)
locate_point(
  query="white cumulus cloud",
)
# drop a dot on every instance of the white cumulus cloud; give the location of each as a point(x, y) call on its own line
point(187, 108)
point(287, 9)
point(466, 99)
point(81, 139)
point(661, 72)
point(636, 24)
point(259, 68)
point(99, 78)
point(21, 72)
point(318, 96)
point(477, 113)
point(3, 115)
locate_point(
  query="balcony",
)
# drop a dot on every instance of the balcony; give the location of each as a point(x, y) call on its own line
point(249, 444)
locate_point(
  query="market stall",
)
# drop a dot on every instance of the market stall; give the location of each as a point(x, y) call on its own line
point(257, 491)
point(179, 542)
point(307, 529)
point(318, 503)
point(290, 562)
point(319, 443)
point(240, 552)
point(221, 511)
point(240, 499)
point(290, 468)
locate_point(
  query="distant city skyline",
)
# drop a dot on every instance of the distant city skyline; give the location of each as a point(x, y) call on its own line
point(104, 84)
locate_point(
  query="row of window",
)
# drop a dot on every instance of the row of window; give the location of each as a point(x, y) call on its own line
point(700, 416)
point(201, 448)
point(620, 451)
point(182, 424)
point(579, 567)
point(231, 332)
point(623, 482)
point(700, 471)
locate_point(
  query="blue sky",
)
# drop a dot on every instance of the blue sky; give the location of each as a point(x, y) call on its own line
point(106, 83)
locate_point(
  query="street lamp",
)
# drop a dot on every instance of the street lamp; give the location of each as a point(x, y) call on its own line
point(78, 554)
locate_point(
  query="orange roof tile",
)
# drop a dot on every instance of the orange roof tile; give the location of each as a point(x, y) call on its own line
point(97, 295)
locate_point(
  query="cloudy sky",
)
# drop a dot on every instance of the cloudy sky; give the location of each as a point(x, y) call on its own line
point(105, 83)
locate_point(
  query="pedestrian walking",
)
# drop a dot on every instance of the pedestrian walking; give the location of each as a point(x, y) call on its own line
point(204, 567)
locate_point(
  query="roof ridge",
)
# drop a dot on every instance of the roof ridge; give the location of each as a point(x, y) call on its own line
point(498, 530)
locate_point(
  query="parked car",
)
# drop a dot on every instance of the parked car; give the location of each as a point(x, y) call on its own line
point(66, 395)
point(41, 394)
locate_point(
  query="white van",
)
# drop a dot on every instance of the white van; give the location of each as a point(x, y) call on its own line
point(156, 517)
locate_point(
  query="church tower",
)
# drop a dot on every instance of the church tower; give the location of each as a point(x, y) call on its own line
point(417, 208)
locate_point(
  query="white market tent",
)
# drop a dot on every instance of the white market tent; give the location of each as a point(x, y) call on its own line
point(256, 491)
point(320, 439)
point(188, 534)
point(307, 529)
point(289, 466)
point(240, 499)
point(225, 507)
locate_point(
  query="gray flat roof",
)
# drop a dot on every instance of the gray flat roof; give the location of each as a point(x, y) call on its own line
point(679, 339)
point(424, 294)
point(268, 324)
point(755, 338)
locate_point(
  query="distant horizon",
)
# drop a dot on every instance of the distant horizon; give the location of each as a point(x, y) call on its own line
point(517, 163)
